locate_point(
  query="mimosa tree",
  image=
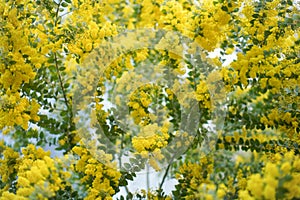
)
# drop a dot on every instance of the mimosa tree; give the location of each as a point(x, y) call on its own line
point(95, 92)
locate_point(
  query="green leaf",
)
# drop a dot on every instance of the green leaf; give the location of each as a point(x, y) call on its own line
point(66, 85)
point(129, 177)
point(64, 4)
point(224, 8)
point(290, 2)
point(133, 160)
point(51, 60)
point(50, 25)
point(241, 141)
point(127, 165)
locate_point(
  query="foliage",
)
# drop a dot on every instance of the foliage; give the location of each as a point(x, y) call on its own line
point(43, 53)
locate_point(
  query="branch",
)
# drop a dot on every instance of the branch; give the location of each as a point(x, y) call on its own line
point(61, 83)
point(166, 173)
point(57, 12)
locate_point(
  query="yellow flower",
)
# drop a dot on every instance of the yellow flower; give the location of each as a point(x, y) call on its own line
point(221, 191)
point(271, 181)
point(145, 102)
point(229, 50)
point(23, 182)
point(7, 195)
point(170, 93)
point(255, 185)
point(269, 192)
point(153, 163)
point(209, 197)
point(25, 192)
point(77, 150)
point(157, 154)
point(286, 167)
point(271, 169)
point(296, 164)
point(275, 82)
point(88, 46)
point(34, 175)
point(244, 195)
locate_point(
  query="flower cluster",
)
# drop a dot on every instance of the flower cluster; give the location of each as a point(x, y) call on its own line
point(150, 141)
point(37, 174)
point(50, 55)
point(279, 179)
point(101, 180)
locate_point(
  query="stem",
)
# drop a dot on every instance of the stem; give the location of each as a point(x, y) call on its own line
point(57, 70)
point(66, 13)
point(120, 161)
point(61, 83)
point(164, 177)
point(168, 168)
point(147, 178)
point(57, 12)
point(69, 109)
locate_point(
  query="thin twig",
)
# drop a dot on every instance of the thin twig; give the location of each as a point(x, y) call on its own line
point(61, 83)
point(57, 12)
point(166, 173)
